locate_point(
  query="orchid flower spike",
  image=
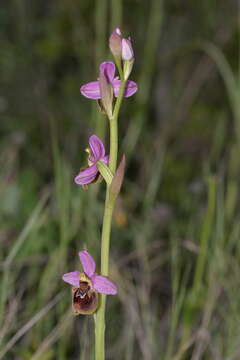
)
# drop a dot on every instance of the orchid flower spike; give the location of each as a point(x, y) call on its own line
point(87, 285)
point(96, 153)
point(91, 90)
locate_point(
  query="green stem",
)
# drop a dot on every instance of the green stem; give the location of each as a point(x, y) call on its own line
point(113, 145)
point(114, 129)
point(106, 229)
point(100, 316)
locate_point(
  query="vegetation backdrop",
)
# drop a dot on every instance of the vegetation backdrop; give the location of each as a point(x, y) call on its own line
point(175, 249)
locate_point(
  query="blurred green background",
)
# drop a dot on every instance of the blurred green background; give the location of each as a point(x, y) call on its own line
point(175, 248)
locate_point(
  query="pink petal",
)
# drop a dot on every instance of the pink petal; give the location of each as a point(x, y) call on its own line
point(91, 90)
point(88, 263)
point(72, 278)
point(131, 87)
point(87, 175)
point(97, 148)
point(108, 69)
point(103, 285)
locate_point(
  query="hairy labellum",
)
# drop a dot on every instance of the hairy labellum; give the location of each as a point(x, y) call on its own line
point(84, 299)
point(87, 285)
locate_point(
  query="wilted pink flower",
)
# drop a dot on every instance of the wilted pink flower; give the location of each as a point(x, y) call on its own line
point(87, 285)
point(91, 90)
point(96, 153)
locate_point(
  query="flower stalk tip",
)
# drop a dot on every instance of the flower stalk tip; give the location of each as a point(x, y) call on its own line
point(121, 47)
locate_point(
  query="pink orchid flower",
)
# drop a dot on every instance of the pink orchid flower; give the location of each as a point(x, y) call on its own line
point(96, 153)
point(91, 90)
point(87, 285)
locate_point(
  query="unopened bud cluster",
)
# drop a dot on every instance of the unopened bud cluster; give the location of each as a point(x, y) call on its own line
point(122, 50)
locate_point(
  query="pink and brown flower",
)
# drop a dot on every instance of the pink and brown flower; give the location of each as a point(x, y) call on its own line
point(87, 285)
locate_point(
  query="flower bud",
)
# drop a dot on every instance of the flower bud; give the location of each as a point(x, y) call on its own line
point(127, 50)
point(115, 43)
